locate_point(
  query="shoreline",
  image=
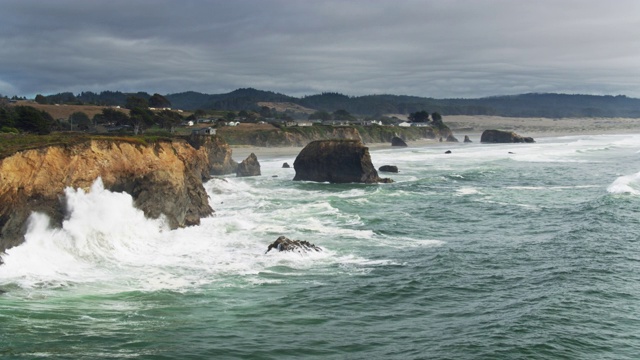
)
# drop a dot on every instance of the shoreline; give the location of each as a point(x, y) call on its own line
point(473, 126)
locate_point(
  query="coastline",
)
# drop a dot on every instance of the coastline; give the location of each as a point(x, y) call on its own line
point(473, 126)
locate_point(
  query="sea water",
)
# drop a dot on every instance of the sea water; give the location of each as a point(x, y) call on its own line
point(506, 251)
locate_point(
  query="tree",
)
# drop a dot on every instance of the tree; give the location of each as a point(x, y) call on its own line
point(7, 117)
point(33, 120)
point(437, 119)
point(199, 113)
point(136, 102)
point(159, 101)
point(419, 116)
point(168, 119)
point(320, 115)
point(230, 116)
point(111, 116)
point(80, 120)
point(342, 115)
point(140, 118)
point(265, 112)
point(40, 99)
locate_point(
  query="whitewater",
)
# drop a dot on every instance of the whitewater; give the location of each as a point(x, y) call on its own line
point(501, 251)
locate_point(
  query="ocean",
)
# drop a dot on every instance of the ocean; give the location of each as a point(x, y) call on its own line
point(505, 251)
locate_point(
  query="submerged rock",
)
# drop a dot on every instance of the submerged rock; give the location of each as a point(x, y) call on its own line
point(396, 141)
point(283, 243)
point(500, 136)
point(336, 161)
point(249, 166)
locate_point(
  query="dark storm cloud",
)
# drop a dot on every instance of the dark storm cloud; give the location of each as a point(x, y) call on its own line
point(428, 48)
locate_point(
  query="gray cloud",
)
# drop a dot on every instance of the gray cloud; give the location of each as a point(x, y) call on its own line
point(455, 48)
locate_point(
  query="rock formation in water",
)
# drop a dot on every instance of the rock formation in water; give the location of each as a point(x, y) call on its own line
point(218, 153)
point(396, 141)
point(336, 161)
point(285, 244)
point(286, 165)
point(249, 166)
point(500, 136)
point(388, 168)
point(466, 139)
point(163, 178)
point(451, 138)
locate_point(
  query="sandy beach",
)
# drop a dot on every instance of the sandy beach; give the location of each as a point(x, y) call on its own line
point(473, 126)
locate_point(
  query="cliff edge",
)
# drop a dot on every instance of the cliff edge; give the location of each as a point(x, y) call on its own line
point(164, 178)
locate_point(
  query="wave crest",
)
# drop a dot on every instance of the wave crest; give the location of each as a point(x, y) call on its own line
point(627, 184)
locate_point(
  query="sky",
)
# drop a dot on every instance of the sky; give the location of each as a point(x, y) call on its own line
point(430, 48)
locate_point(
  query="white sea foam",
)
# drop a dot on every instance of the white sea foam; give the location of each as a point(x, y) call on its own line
point(627, 184)
point(467, 191)
point(106, 240)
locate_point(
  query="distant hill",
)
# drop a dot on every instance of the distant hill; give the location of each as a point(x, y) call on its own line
point(524, 105)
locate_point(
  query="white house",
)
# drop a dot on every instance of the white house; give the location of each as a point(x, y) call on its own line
point(405, 124)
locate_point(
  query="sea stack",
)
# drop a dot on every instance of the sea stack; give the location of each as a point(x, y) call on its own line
point(249, 167)
point(500, 136)
point(336, 161)
point(396, 141)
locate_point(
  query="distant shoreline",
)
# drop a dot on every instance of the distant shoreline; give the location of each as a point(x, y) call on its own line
point(473, 126)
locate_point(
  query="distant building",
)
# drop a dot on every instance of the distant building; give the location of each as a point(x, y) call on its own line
point(204, 131)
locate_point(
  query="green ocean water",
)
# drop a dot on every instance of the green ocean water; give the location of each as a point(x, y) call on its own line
point(518, 251)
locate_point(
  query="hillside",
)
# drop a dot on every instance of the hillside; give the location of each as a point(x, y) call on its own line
point(524, 105)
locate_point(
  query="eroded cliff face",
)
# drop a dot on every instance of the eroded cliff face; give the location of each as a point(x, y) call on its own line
point(163, 178)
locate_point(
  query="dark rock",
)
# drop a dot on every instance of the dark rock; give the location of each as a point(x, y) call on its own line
point(451, 138)
point(500, 136)
point(388, 168)
point(466, 139)
point(249, 167)
point(336, 161)
point(396, 141)
point(448, 152)
point(285, 244)
point(218, 151)
point(440, 139)
point(286, 166)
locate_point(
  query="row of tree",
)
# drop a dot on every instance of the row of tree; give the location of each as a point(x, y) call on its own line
point(26, 119)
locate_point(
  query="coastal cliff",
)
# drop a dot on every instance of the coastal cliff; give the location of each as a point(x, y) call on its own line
point(164, 178)
point(302, 135)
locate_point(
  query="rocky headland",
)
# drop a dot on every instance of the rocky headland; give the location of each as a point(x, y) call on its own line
point(164, 178)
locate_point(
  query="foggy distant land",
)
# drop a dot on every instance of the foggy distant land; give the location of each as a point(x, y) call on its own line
point(547, 105)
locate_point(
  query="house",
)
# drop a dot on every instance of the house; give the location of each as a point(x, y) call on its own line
point(304, 123)
point(372, 122)
point(405, 124)
point(204, 131)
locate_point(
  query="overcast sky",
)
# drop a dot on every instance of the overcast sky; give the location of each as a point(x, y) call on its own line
point(432, 48)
